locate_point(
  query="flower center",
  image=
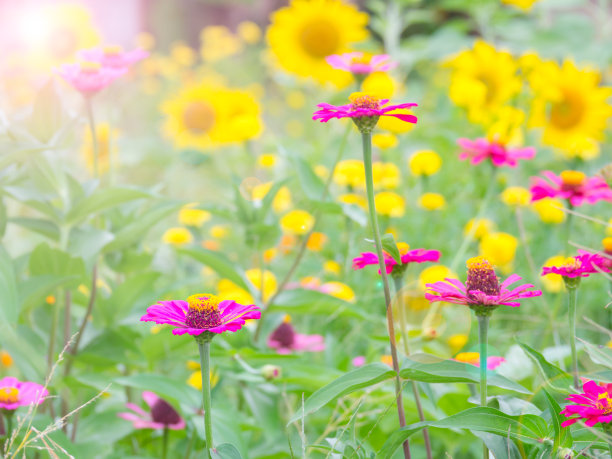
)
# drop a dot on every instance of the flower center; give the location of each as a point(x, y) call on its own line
point(573, 179)
point(284, 333)
point(604, 402)
point(9, 395)
point(363, 59)
point(112, 50)
point(363, 100)
point(481, 276)
point(90, 67)
point(203, 311)
point(319, 38)
point(568, 112)
point(403, 248)
point(607, 244)
point(162, 412)
point(199, 117)
point(571, 263)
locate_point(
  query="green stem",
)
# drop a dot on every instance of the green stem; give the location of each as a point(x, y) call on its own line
point(204, 347)
point(94, 137)
point(52, 336)
point(165, 443)
point(572, 297)
point(398, 283)
point(483, 326)
point(568, 227)
point(367, 161)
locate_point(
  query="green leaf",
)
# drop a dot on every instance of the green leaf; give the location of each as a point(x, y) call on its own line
point(432, 369)
point(528, 428)
point(601, 355)
point(47, 261)
point(163, 386)
point(47, 113)
point(303, 301)
point(9, 299)
point(364, 376)
point(554, 377)
point(311, 184)
point(32, 292)
point(217, 263)
point(136, 290)
point(38, 225)
point(563, 437)
point(88, 242)
point(501, 447)
point(100, 200)
point(225, 451)
point(3, 218)
point(268, 199)
point(390, 246)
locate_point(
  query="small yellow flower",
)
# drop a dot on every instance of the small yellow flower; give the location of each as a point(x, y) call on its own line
point(424, 162)
point(211, 244)
point(218, 42)
point(270, 254)
point(281, 201)
point(193, 217)
point(227, 290)
point(609, 228)
point(155, 329)
point(389, 204)
point(435, 273)
point(50, 300)
point(177, 236)
point(267, 160)
point(332, 267)
point(554, 282)
point(316, 241)
point(385, 175)
point(394, 125)
point(550, 210)
point(195, 379)
point(219, 231)
point(5, 359)
point(483, 227)
point(524, 5)
point(182, 54)
point(456, 342)
point(339, 290)
point(516, 196)
point(499, 248)
point(321, 171)
point(607, 244)
point(350, 173)
point(269, 281)
point(468, 357)
point(352, 198)
point(379, 85)
point(249, 32)
point(387, 360)
point(432, 201)
point(297, 222)
point(295, 99)
point(384, 141)
point(309, 282)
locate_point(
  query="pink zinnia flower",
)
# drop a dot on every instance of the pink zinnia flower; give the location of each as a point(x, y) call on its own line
point(594, 405)
point(201, 313)
point(363, 105)
point(581, 265)
point(285, 340)
point(361, 64)
point(161, 416)
point(473, 358)
point(358, 361)
point(500, 155)
point(15, 393)
point(407, 256)
point(482, 288)
point(113, 56)
point(89, 77)
point(574, 186)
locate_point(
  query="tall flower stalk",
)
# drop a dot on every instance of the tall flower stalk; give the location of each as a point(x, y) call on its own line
point(572, 295)
point(204, 348)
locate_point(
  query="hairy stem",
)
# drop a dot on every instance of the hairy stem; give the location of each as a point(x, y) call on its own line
point(204, 348)
point(483, 326)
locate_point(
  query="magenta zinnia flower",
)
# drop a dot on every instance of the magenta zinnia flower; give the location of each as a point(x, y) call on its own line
point(285, 340)
point(407, 256)
point(500, 155)
point(581, 265)
point(482, 288)
point(594, 405)
point(574, 186)
point(201, 313)
point(361, 64)
point(89, 77)
point(161, 416)
point(363, 106)
point(113, 56)
point(15, 393)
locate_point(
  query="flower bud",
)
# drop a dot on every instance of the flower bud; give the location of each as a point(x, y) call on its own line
point(271, 372)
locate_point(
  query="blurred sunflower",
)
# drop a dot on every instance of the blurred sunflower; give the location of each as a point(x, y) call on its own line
point(483, 79)
point(304, 33)
point(570, 106)
point(202, 116)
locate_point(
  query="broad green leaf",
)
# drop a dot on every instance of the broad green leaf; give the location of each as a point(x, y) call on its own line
point(3, 217)
point(364, 376)
point(110, 348)
point(225, 451)
point(218, 263)
point(311, 184)
point(102, 199)
point(390, 246)
point(563, 436)
point(26, 355)
point(32, 291)
point(9, 298)
point(38, 225)
point(432, 369)
point(164, 387)
point(88, 242)
point(136, 290)
point(261, 236)
point(554, 376)
point(601, 355)
point(527, 429)
point(500, 446)
point(303, 301)
point(45, 260)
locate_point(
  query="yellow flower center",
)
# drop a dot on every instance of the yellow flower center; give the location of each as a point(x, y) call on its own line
point(403, 248)
point(199, 117)
point(604, 402)
point(9, 395)
point(364, 59)
point(319, 38)
point(481, 276)
point(112, 50)
point(570, 263)
point(573, 178)
point(363, 100)
point(569, 111)
point(203, 302)
point(90, 67)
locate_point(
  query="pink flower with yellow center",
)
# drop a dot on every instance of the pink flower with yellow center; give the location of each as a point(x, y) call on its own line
point(500, 155)
point(201, 313)
point(574, 186)
point(113, 57)
point(473, 358)
point(161, 415)
point(482, 288)
point(15, 393)
point(285, 340)
point(89, 77)
point(360, 63)
point(407, 256)
point(582, 265)
point(594, 405)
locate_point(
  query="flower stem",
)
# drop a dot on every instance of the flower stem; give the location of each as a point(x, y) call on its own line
point(165, 443)
point(572, 297)
point(367, 160)
point(94, 138)
point(204, 347)
point(483, 326)
point(398, 283)
point(568, 227)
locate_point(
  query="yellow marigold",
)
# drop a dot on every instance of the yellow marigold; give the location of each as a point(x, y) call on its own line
point(435, 273)
point(316, 241)
point(516, 196)
point(269, 281)
point(389, 204)
point(457, 341)
point(570, 105)
point(304, 33)
point(483, 80)
point(193, 217)
point(332, 267)
point(554, 282)
point(606, 243)
point(394, 125)
point(524, 5)
point(270, 254)
point(218, 42)
point(352, 198)
point(339, 290)
point(350, 173)
point(297, 222)
point(549, 210)
point(468, 357)
point(249, 32)
point(5, 359)
point(267, 160)
point(432, 201)
point(385, 140)
point(483, 227)
point(385, 175)
point(424, 162)
point(227, 290)
point(219, 231)
point(379, 85)
point(177, 236)
point(499, 248)
point(107, 152)
point(387, 360)
point(295, 99)
point(202, 116)
point(281, 201)
point(50, 300)
point(195, 378)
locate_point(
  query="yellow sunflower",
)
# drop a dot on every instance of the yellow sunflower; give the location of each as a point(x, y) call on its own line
point(570, 106)
point(483, 79)
point(302, 34)
point(202, 116)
